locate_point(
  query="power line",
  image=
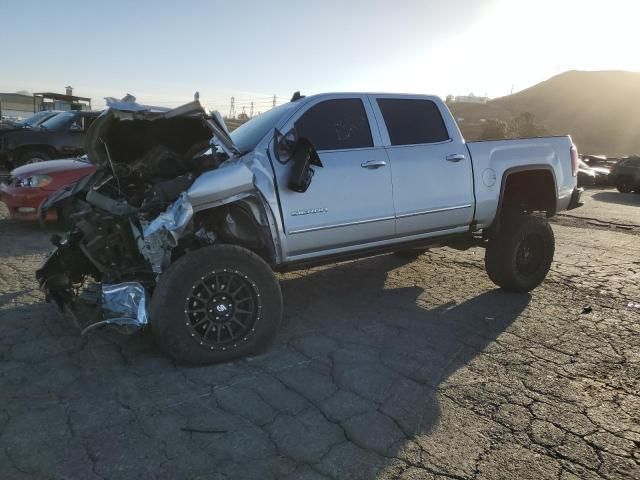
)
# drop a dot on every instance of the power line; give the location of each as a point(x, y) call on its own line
point(232, 108)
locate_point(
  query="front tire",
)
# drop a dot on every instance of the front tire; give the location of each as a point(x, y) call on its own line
point(216, 304)
point(520, 257)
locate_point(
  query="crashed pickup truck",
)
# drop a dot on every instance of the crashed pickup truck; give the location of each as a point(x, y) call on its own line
point(182, 225)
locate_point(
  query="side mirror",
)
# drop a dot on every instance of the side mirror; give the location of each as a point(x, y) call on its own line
point(75, 128)
point(303, 156)
point(283, 145)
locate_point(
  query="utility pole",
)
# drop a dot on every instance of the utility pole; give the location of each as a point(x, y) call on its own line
point(244, 115)
point(251, 114)
point(232, 108)
point(274, 101)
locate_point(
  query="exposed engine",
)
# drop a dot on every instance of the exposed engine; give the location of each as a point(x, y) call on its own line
point(128, 219)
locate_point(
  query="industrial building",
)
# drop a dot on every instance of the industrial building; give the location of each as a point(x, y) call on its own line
point(17, 106)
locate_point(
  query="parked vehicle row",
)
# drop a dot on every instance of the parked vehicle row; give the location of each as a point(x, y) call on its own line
point(30, 185)
point(589, 176)
point(33, 121)
point(60, 135)
point(622, 173)
point(626, 175)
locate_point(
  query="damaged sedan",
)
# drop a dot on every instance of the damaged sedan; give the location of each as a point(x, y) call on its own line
point(182, 224)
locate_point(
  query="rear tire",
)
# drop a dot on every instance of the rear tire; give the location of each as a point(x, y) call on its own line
point(624, 186)
point(216, 304)
point(520, 257)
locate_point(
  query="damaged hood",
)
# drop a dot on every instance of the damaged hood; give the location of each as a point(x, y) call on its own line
point(126, 128)
point(51, 166)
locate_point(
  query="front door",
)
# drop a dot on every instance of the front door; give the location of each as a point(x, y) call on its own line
point(350, 199)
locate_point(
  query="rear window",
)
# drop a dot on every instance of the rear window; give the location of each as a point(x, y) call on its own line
point(411, 122)
point(336, 125)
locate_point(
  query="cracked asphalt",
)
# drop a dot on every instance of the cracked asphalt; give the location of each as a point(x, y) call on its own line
point(384, 369)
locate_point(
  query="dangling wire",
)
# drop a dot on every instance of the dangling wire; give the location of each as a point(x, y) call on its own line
point(113, 169)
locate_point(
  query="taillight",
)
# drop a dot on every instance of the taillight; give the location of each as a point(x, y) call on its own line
point(574, 160)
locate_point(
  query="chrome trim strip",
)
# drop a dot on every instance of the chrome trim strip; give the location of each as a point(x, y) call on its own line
point(327, 227)
point(441, 142)
point(437, 210)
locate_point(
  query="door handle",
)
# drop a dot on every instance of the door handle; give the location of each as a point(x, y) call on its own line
point(455, 157)
point(373, 164)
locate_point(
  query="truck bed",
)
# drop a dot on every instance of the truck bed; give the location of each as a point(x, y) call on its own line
point(492, 159)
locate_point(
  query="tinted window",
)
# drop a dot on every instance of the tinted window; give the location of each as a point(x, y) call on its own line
point(61, 120)
point(336, 125)
point(412, 121)
point(35, 119)
point(88, 120)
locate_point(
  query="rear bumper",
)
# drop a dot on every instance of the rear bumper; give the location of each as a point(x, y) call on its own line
point(575, 199)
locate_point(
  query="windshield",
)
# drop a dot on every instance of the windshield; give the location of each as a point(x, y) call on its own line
point(61, 120)
point(35, 119)
point(247, 136)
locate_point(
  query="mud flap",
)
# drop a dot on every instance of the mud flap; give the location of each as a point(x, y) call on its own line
point(575, 199)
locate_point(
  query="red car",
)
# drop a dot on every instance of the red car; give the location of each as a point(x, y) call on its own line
point(28, 186)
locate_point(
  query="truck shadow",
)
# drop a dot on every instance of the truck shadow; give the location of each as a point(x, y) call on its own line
point(632, 199)
point(366, 350)
point(388, 348)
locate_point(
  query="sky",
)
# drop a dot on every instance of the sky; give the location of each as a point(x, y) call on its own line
point(162, 52)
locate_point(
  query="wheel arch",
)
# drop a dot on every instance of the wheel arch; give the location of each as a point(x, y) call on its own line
point(244, 222)
point(546, 198)
point(542, 200)
point(39, 147)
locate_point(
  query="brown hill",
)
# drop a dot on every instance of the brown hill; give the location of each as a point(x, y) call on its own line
point(600, 110)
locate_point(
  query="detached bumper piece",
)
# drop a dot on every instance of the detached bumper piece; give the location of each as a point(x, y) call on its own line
point(123, 305)
point(575, 199)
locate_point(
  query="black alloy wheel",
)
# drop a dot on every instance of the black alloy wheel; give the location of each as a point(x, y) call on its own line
point(216, 304)
point(222, 309)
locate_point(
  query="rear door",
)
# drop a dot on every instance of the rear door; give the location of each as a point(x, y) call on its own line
point(349, 200)
point(72, 135)
point(431, 168)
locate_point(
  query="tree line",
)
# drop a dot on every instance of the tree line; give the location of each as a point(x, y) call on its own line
point(522, 126)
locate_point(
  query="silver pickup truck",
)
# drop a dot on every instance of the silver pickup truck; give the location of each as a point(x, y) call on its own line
point(183, 224)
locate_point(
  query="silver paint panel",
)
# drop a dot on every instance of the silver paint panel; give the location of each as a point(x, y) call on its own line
point(212, 188)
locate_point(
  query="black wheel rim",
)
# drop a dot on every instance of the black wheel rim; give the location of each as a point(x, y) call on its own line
point(222, 309)
point(529, 255)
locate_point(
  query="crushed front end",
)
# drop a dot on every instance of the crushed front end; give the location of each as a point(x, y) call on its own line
point(132, 217)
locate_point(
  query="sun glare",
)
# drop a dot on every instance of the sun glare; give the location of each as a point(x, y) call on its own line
point(514, 45)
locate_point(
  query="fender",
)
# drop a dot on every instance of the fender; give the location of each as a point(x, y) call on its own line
point(527, 168)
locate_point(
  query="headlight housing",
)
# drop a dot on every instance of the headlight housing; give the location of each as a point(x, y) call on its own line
point(34, 181)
